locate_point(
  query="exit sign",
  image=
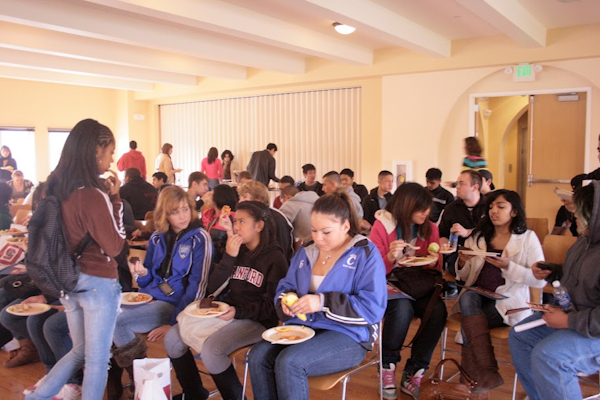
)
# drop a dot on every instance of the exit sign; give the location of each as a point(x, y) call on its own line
point(524, 73)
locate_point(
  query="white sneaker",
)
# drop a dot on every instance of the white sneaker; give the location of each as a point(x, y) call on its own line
point(70, 391)
point(458, 338)
point(32, 388)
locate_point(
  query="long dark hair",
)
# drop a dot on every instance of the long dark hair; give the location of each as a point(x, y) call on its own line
point(9, 152)
point(77, 166)
point(340, 206)
point(260, 212)
point(584, 203)
point(213, 153)
point(409, 198)
point(225, 195)
point(518, 225)
point(229, 153)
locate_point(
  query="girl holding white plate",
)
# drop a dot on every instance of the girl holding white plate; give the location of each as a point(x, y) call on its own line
point(175, 273)
point(248, 274)
point(340, 282)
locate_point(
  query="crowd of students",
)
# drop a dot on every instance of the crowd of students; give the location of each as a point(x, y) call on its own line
point(217, 241)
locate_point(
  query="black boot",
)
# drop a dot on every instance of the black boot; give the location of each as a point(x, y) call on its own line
point(228, 384)
point(188, 377)
point(114, 386)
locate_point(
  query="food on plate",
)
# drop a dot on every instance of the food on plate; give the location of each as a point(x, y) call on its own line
point(445, 247)
point(416, 259)
point(289, 337)
point(434, 247)
point(133, 260)
point(14, 239)
point(283, 328)
point(290, 299)
point(138, 297)
point(20, 308)
point(226, 210)
point(207, 303)
point(11, 230)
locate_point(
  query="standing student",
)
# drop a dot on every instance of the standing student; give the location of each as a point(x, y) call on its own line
point(8, 165)
point(262, 165)
point(340, 283)
point(473, 159)
point(231, 168)
point(133, 159)
point(89, 204)
point(164, 163)
point(441, 197)
point(213, 168)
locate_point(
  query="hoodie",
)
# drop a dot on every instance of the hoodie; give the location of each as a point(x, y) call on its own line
point(353, 293)
point(251, 283)
point(297, 210)
point(581, 275)
point(133, 159)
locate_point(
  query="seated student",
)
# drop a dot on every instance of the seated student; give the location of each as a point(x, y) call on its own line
point(297, 208)
point(347, 177)
point(252, 267)
point(197, 187)
point(283, 228)
point(5, 216)
point(310, 182)
point(159, 180)
point(332, 182)
point(175, 272)
point(343, 305)
point(548, 358)
point(245, 177)
point(405, 220)
point(441, 197)
point(284, 182)
point(223, 195)
point(20, 186)
point(487, 184)
point(140, 195)
point(503, 231)
point(378, 198)
point(565, 221)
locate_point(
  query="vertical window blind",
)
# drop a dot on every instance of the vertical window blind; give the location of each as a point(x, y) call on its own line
point(319, 127)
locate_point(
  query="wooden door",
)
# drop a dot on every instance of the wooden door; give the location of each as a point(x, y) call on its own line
point(558, 147)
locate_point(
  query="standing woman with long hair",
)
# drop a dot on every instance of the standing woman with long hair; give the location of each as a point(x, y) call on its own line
point(473, 159)
point(89, 204)
point(164, 163)
point(405, 221)
point(8, 165)
point(213, 168)
point(231, 168)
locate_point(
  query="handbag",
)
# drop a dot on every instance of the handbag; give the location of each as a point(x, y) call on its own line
point(415, 281)
point(435, 388)
point(19, 286)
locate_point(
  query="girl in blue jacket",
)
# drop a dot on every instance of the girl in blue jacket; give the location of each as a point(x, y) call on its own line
point(340, 282)
point(175, 272)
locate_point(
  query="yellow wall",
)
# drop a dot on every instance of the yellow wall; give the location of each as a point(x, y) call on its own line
point(510, 166)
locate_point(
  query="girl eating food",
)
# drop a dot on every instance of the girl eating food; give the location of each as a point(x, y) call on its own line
point(335, 286)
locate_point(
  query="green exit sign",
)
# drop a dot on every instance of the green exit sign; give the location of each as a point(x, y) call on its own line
point(523, 73)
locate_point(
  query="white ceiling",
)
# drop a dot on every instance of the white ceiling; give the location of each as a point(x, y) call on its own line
point(135, 44)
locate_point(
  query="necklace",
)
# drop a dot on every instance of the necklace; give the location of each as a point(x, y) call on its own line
point(327, 257)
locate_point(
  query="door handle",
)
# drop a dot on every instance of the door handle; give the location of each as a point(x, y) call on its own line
point(531, 181)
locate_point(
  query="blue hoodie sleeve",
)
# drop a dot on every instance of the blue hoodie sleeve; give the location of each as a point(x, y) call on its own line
point(199, 271)
point(368, 305)
point(144, 281)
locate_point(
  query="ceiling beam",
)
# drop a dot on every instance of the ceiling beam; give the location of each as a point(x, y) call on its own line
point(510, 17)
point(72, 79)
point(39, 40)
point(232, 20)
point(378, 21)
point(100, 23)
point(47, 62)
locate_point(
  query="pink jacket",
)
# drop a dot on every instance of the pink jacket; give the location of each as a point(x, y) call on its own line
point(214, 170)
point(384, 232)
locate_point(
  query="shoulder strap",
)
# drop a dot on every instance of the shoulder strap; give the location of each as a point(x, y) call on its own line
point(85, 243)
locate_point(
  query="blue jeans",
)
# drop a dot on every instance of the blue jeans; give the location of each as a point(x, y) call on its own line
point(91, 314)
point(398, 316)
point(141, 319)
point(547, 360)
point(281, 372)
point(472, 303)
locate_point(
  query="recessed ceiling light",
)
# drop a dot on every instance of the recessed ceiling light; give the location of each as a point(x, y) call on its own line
point(343, 29)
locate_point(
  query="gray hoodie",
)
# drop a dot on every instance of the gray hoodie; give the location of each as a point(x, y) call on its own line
point(297, 210)
point(581, 275)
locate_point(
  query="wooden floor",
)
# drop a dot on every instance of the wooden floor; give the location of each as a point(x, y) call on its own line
point(363, 386)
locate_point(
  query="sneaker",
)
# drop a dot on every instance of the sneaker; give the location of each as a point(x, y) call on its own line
point(32, 388)
point(458, 338)
point(412, 383)
point(388, 376)
point(70, 391)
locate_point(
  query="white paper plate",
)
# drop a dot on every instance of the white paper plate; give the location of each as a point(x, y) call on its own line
point(417, 261)
point(450, 251)
point(127, 298)
point(479, 253)
point(193, 311)
point(34, 309)
point(21, 232)
point(280, 333)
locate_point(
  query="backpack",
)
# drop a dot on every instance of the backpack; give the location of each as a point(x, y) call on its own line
point(50, 265)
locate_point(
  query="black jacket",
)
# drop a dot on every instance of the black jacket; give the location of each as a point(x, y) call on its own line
point(283, 233)
point(253, 284)
point(262, 167)
point(141, 196)
point(370, 205)
point(360, 190)
point(317, 187)
point(441, 199)
point(458, 212)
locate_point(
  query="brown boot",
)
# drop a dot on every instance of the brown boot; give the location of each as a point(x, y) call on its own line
point(478, 359)
point(27, 354)
point(125, 355)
